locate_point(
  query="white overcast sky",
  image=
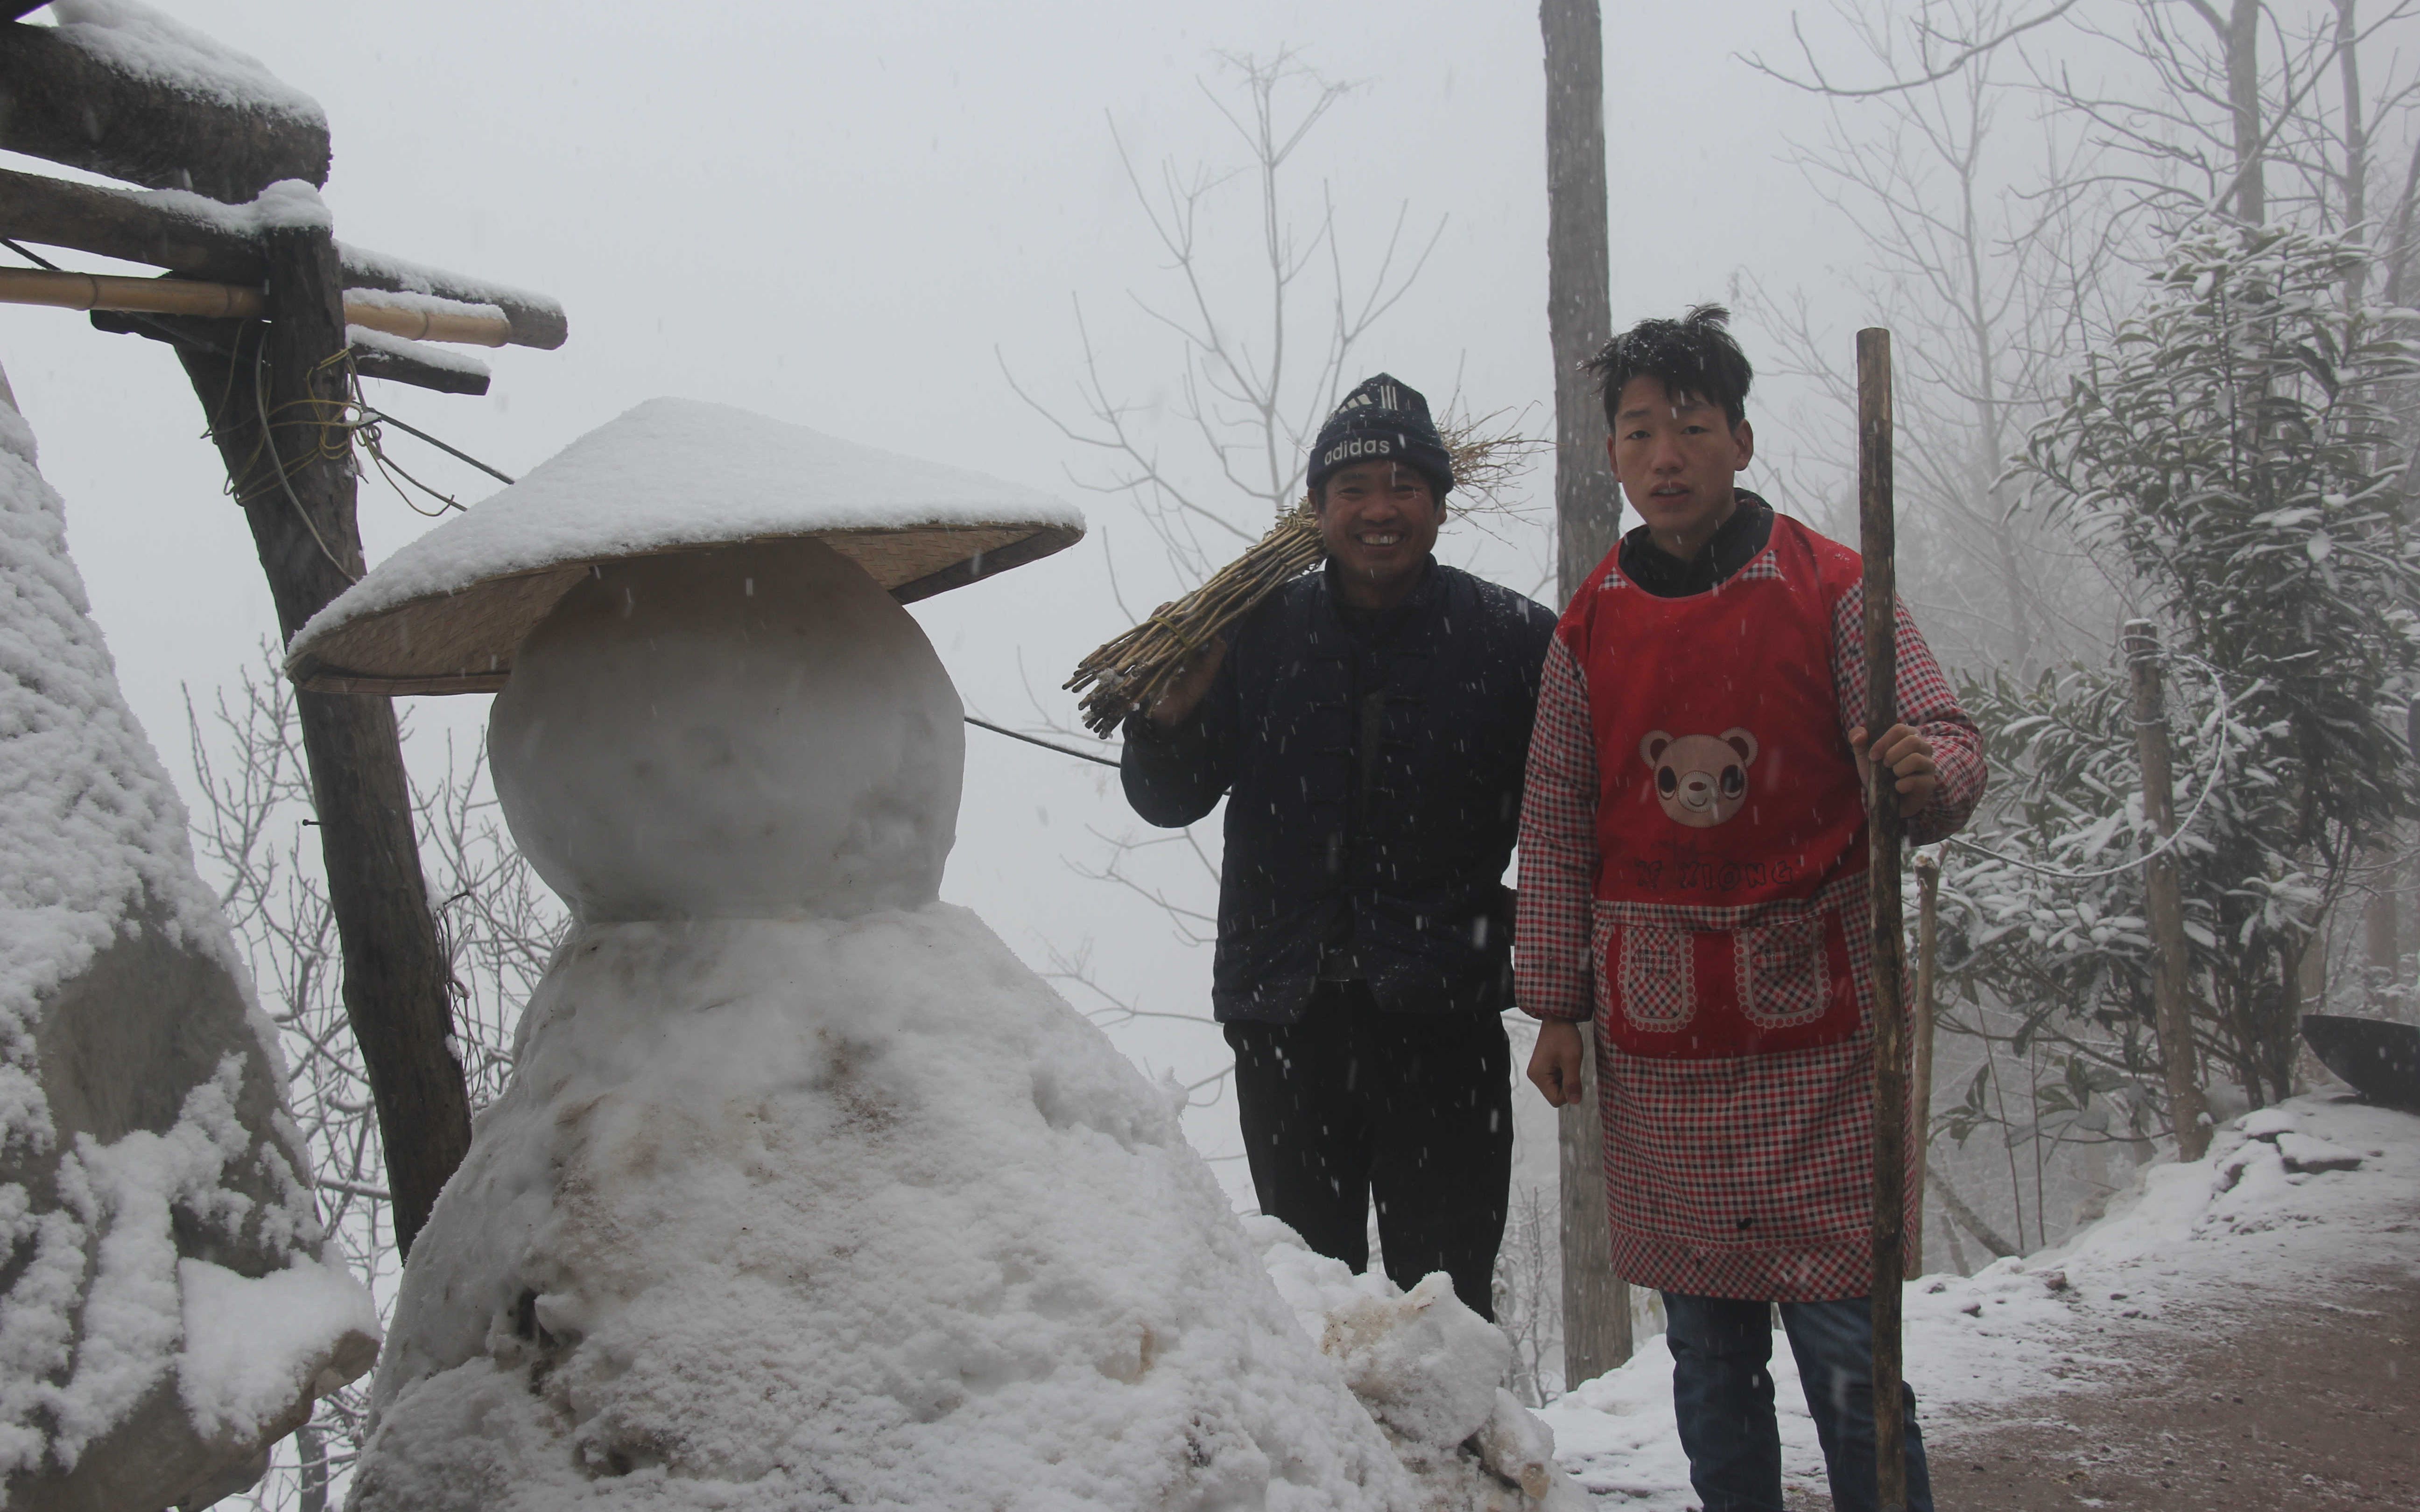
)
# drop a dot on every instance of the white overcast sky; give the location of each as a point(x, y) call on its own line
point(835, 215)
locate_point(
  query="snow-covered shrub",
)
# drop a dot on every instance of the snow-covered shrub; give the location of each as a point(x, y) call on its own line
point(2233, 455)
point(2045, 914)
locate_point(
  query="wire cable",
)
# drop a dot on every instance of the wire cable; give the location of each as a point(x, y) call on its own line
point(1045, 744)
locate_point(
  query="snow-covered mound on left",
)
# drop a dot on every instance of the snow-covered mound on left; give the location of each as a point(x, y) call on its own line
point(164, 1310)
point(808, 1214)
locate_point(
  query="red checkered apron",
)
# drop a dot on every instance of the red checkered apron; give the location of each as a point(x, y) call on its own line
point(1732, 960)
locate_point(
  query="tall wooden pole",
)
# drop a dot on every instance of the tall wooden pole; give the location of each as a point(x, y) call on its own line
point(1919, 1091)
point(1588, 522)
point(2164, 896)
point(395, 974)
point(1876, 540)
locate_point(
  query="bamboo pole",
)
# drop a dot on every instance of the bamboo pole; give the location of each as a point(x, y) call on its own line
point(140, 296)
point(1919, 1091)
point(2172, 1012)
point(223, 301)
point(1876, 541)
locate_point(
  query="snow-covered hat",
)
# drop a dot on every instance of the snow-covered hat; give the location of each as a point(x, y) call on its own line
point(445, 614)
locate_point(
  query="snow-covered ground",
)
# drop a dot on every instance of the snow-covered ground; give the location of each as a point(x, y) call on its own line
point(2270, 1208)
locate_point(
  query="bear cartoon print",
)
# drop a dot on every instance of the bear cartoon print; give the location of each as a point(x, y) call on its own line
point(1700, 781)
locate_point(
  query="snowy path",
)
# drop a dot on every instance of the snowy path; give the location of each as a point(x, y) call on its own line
point(2226, 1261)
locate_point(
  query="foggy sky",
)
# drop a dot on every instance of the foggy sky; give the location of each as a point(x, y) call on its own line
point(837, 215)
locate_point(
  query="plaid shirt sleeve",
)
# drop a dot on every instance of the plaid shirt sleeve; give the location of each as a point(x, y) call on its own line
point(1558, 858)
point(1926, 703)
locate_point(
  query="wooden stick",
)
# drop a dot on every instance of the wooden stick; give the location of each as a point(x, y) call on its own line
point(2172, 1014)
point(1876, 541)
point(1919, 1091)
point(190, 297)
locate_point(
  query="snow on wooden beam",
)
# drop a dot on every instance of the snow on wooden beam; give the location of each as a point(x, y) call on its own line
point(201, 239)
point(158, 114)
point(186, 236)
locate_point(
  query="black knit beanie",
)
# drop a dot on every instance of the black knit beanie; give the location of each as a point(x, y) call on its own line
point(1382, 419)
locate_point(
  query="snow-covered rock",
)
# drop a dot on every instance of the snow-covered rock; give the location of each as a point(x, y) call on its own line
point(2305, 1154)
point(164, 1309)
point(2268, 1124)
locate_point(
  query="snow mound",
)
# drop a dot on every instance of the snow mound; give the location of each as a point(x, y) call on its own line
point(1426, 1367)
point(752, 733)
point(825, 1213)
point(1426, 1370)
point(2236, 1221)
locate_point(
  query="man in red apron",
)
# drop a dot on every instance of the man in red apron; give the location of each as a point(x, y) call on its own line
point(1693, 858)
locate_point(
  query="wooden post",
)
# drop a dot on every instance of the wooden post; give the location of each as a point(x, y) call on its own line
point(395, 974)
point(2162, 896)
point(1919, 1089)
point(1587, 523)
point(1876, 533)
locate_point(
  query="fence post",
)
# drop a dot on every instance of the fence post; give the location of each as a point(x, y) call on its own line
point(1919, 1089)
point(2162, 896)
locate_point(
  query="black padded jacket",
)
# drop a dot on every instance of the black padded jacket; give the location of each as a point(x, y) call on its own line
point(1373, 767)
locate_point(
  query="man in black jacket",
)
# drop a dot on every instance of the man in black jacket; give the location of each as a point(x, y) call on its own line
point(1368, 726)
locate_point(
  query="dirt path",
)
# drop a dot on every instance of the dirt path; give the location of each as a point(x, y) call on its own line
point(2286, 1402)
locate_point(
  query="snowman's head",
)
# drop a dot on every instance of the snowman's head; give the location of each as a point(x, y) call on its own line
point(755, 732)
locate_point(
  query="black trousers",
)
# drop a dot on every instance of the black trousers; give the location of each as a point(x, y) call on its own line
point(1415, 1109)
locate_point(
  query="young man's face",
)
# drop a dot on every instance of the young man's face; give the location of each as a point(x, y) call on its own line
point(1379, 520)
point(1676, 462)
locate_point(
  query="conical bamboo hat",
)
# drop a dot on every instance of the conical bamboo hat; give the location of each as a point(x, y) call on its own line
point(446, 613)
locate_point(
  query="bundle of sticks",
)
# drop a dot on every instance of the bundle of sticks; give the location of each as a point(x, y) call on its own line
point(1134, 669)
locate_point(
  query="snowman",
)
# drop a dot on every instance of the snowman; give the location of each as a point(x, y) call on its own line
point(806, 1193)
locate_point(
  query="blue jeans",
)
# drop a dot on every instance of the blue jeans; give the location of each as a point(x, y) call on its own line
point(1723, 1394)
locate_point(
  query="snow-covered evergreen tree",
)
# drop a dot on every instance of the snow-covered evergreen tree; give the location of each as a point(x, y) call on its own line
point(2234, 452)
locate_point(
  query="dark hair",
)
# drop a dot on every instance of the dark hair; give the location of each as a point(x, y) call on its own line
point(1694, 358)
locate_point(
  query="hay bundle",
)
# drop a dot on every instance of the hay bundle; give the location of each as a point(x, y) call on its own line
point(1134, 669)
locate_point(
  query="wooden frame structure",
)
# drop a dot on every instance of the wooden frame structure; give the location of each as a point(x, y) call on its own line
point(267, 311)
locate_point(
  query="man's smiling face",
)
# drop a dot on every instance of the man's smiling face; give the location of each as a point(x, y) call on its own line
point(1379, 520)
point(1677, 463)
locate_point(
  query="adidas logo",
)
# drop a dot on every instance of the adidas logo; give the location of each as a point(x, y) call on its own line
point(1359, 446)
